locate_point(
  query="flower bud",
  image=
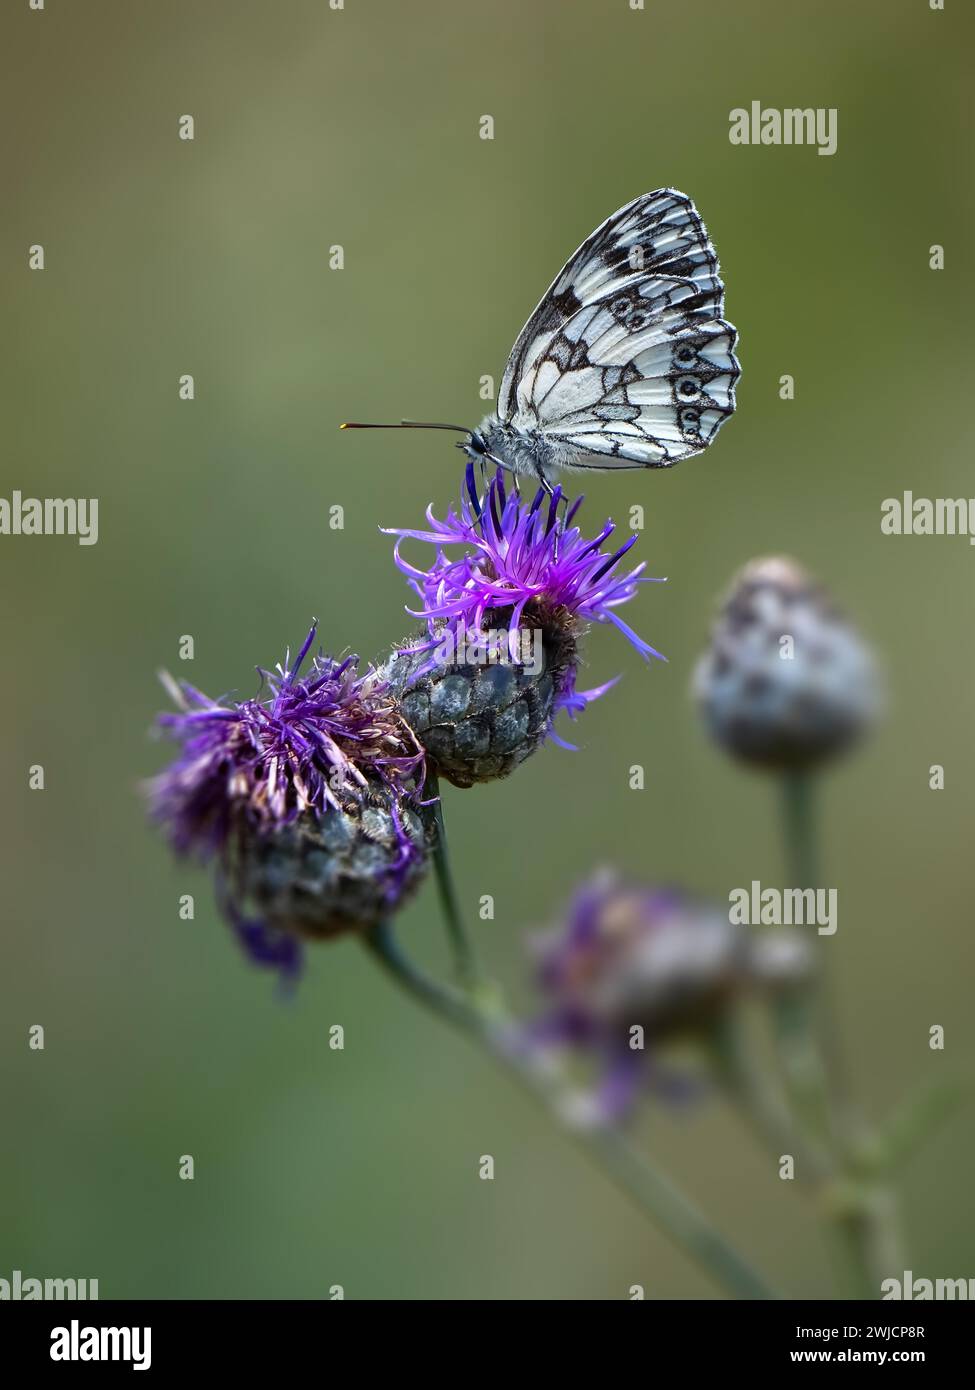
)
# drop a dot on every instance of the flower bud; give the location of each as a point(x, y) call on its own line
point(786, 682)
point(307, 797)
point(344, 870)
point(629, 954)
point(478, 719)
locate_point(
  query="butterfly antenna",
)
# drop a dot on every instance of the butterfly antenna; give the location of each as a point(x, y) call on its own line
point(404, 425)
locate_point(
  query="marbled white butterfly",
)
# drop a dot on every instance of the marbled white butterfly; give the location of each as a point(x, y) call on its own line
point(627, 362)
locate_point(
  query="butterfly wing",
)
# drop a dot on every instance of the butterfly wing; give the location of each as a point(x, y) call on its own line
point(627, 360)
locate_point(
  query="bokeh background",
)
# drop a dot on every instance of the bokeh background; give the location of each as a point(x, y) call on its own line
point(359, 127)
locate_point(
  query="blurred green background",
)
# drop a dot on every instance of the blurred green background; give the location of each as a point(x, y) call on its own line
point(359, 127)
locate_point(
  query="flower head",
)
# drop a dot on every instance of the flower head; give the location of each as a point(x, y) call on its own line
point(518, 554)
point(630, 954)
point(307, 796)
point(508, 577)
point(265, 761)
point(786, 682)
point(631, 958)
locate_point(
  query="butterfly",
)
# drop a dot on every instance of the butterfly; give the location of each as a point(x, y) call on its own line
point(627, 362)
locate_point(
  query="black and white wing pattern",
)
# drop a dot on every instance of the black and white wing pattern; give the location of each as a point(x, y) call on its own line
point(627, 361)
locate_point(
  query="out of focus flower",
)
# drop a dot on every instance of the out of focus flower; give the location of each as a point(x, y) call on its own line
point(306, 796)
point(786, 682)
point(633, 967)
point(504, 615)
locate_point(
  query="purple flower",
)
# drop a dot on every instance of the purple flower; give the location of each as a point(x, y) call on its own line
point(267, 760)
point(629, 953)
point(525, 560)
point(307, 796)
point(633, 967)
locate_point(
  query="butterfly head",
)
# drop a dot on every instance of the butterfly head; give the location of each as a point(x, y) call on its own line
point(475, 446)
point(491, 443)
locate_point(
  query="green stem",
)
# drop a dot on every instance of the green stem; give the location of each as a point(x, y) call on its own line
point(862, 1210)
point(801, 1015)
point(803, 852)
point(801, 846)
point(655, 1194)
point(867, 1226)
point(465, 959)
point(439, 998)
point(753, 1089)
point(919, 1116)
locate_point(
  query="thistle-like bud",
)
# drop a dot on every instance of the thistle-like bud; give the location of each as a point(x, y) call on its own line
point(632, 954)
point(307, 797)
point(321, 875)
point(481, 715)
point(633, 967)
point(786, 682)
point(499, 658)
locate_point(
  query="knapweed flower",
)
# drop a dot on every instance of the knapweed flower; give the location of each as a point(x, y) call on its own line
point(511, 588)
point(786, 682)
point(632, 967)
point(307, 797)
